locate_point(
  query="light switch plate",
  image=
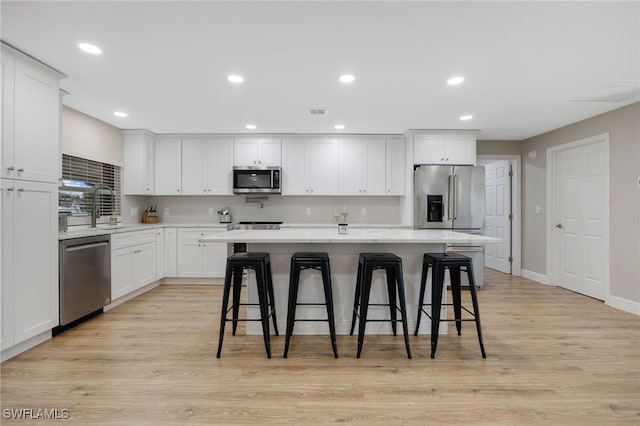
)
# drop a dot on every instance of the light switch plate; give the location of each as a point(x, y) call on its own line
point(363, 211)
point(166, 211)
point(210, 211)
point(134, 211)
point(308, 211)
point(537, 209)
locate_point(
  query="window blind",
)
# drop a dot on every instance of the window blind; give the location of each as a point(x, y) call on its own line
point(80, 177)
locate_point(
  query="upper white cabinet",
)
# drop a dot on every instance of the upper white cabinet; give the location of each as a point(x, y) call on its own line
point(30, 118)
point(444, 148)
point(29, 273)
point(310, 166)
point(207, 166)
point(396, 166)
point(168, 167)
point(256, 151)
point(362, 166)
point(139, 162)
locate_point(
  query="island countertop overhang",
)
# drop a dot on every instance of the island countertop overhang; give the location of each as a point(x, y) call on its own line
point(358, 236)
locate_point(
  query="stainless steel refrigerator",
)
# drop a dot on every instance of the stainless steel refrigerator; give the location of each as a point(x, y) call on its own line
point(452, 197)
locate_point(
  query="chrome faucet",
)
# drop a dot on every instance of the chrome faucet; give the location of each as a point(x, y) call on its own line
point(95, 208)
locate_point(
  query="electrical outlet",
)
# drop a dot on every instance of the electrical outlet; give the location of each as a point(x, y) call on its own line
point(166, 211)
point(134, 211)
point(210, 211)
point(363, 211)
point(308, 211)
point(537, 209)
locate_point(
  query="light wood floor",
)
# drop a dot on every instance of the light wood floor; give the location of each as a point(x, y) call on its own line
point(553, 357)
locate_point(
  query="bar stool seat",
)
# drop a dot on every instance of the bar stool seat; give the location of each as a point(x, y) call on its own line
point(455, 263)
point(310, 260)
point(236, 264)
point(392, 265)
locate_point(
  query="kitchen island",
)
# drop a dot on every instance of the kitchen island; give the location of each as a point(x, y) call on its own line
point(343, 251)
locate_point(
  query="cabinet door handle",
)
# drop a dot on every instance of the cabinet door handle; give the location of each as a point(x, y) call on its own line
point(10, 169)
point(20, 170)
point(10, 189)
point(20, 189)
point(178, 190)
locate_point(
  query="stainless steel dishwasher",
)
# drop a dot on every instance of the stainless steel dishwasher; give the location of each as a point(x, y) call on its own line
point(85, 276)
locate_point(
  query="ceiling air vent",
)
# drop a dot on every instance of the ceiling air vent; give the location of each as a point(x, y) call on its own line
point(317, 111)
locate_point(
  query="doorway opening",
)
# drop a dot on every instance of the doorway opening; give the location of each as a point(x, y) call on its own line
point(578, 216)
point(502, 211)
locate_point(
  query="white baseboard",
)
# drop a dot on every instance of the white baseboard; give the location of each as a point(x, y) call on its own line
point(131, 295)
point(624, 304)
point(192, 281)
point(534, 276)
point(25, 346)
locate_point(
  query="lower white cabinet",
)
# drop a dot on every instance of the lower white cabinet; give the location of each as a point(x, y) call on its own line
point(197, 259)
point(29, 260)
point(169, 253)
point(133, 261)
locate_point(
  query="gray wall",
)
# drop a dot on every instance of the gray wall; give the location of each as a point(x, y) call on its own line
point(623, 126)
point(487, 147)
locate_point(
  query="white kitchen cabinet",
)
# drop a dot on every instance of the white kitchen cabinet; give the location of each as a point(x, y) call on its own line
point(362, 165)
point(207, 166)
point(168, 167)
point(310, 166)
point(133, 261)
point(170, 254)
point(160, 253)
point(444, 148)
point(396, 166)
point(139, 162)
point(29, 274)
point(30, 118)
point(257, 151)
point(200, 260)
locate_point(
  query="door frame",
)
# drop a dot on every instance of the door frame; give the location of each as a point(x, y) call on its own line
point(552, 153)
point(516, 224)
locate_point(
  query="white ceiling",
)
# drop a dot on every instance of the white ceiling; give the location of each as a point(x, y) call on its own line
point(165, 63)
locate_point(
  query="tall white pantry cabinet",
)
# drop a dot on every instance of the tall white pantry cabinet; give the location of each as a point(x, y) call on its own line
point(30, 161)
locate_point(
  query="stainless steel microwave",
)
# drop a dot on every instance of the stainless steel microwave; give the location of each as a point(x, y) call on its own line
point(257, 180)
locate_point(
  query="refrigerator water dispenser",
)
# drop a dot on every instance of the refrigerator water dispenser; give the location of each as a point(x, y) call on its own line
point(435, 208)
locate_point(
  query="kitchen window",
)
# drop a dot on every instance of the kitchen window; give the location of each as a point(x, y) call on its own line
point(80, 177)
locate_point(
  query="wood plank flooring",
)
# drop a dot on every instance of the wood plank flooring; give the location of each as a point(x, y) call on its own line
point(553, 357)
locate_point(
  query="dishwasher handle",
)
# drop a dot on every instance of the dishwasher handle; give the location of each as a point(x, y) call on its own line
point(86, 246)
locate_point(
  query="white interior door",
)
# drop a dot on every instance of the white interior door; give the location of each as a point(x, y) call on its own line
point(581, 218)
point(497, 222)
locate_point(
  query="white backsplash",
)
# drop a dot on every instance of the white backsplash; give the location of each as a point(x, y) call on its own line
point(290, 209)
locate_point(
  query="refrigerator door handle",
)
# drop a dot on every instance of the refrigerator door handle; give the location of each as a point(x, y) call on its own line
point(450, 198)
point(455, 196)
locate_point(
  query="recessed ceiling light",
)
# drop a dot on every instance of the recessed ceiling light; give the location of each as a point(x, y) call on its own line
point(234, 78)
point(455, 80)
point(347, 78)
point(250, 126)
point(90, 48)
point(466, 117)
point(120, 114)
point(339, 126)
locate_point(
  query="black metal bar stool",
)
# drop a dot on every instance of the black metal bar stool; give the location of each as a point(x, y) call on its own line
point(392, 265)
point(320, 262)
point(454, 262)
point(236, 264)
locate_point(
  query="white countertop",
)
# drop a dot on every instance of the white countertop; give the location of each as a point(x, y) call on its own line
point(106, 229)
point(360, 235)
point(86, 231)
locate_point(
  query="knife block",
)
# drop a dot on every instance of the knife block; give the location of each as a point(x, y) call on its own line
point(147, 218)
